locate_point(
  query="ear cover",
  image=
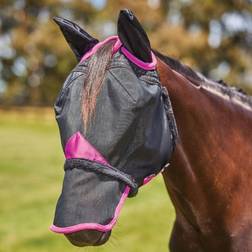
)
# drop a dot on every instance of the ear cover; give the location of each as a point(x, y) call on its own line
point(133, 36)
point(79, 40)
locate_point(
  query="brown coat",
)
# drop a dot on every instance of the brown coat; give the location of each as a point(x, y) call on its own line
point(210, 177)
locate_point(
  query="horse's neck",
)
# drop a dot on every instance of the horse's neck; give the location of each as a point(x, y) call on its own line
point(210, 177)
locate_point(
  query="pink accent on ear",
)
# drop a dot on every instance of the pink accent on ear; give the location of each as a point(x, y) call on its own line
point(78, 147)
point(94, 226)
point(148, 179)
point(145, 65)
point(116, 46)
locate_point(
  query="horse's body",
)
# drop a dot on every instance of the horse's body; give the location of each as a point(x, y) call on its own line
point(210, 177)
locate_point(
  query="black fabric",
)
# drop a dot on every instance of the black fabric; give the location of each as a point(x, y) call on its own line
point(79, 40)
point(78, 163)
point(170, 117)
point(133, 36)
point(133, 127)
point(82, 202)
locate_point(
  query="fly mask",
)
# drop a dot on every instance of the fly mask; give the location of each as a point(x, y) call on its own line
point(127, 141)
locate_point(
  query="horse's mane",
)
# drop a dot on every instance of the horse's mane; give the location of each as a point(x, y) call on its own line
point(97, 66)
point(220, 86)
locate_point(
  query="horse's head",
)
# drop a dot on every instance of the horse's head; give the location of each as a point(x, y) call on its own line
point(116, 127)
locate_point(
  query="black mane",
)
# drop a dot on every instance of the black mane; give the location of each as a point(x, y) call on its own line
point(199, 79)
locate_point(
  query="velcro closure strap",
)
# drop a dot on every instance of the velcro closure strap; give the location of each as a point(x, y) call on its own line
point(111, 171)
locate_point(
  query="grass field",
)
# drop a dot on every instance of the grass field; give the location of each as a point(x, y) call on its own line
point(31, 173)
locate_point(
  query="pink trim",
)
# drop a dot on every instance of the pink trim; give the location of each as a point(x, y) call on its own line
point(78, 147)
point(148, 179)
point(145, 65)
point(117, 45)
point(94, 226)
point(98, 45)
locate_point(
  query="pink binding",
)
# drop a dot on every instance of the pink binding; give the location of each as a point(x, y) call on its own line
point(118, 44)
point(149, 178)
point(144, 65)
point(93, 50)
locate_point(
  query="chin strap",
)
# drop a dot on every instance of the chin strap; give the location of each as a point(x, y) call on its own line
point(110, 171)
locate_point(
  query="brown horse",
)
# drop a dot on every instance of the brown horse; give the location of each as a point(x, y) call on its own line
point(210, 177)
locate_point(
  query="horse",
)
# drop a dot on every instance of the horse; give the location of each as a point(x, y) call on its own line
point(205, 165)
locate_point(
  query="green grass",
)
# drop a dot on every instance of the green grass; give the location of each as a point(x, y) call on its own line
point(31, 173)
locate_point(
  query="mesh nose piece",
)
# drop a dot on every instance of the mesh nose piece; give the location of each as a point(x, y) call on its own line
point(78, 163)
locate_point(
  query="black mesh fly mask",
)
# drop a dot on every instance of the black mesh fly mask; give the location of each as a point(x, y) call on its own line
point(128, 140)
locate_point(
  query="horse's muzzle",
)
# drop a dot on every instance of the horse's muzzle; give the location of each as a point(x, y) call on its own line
point(88, 238)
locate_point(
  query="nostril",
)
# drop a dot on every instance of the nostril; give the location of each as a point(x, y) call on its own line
point(103, 239)
point(88, 238)
point(76, 239)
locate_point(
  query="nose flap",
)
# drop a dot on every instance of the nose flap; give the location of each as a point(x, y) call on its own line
point(81, 208)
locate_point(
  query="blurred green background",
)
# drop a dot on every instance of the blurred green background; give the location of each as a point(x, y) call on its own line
point(213, 37)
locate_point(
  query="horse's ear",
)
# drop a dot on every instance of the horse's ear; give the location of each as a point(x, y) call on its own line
point(133, 36)
point(79, 40)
